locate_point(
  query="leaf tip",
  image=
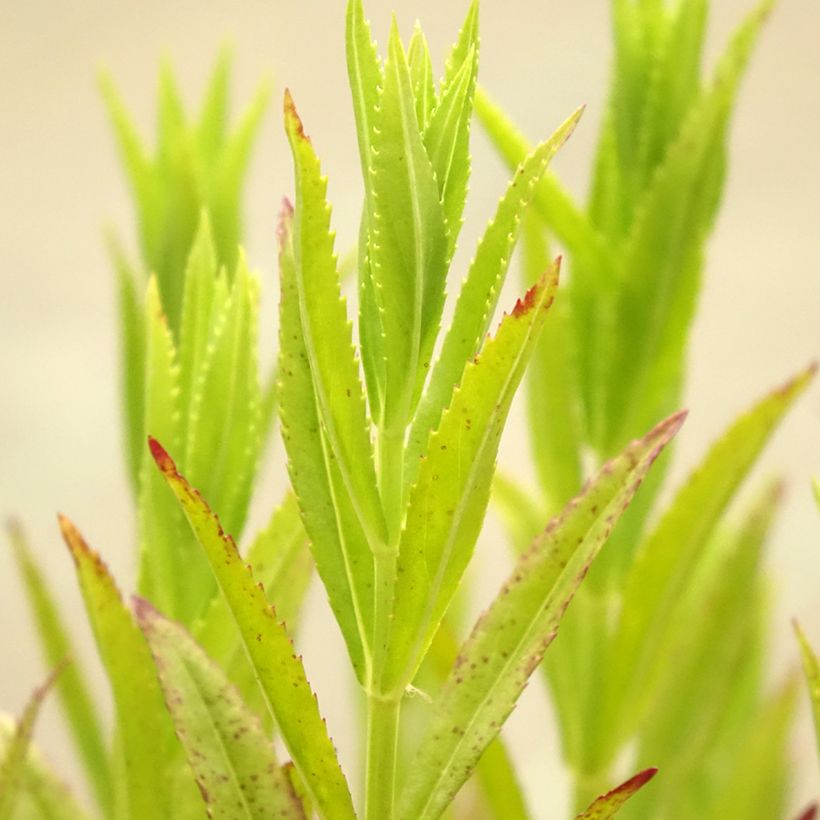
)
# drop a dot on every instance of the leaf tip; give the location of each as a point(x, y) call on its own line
point(161, 457)
point(293, 122)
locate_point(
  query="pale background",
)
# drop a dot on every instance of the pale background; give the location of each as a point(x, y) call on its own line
point(60, 182)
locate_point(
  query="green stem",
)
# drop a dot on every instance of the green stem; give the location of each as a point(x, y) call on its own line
point(382, 743)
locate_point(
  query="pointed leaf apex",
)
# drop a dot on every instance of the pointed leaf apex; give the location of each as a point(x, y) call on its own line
point(293, 122)
point(283, 227)
point(161, 457)
point(144, 610)
point(809, 813)
point(548, 280)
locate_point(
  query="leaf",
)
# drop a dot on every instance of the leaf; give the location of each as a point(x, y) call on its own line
point(341, 551)
point(408, 241)
point(232, 758)
point(162, 532)
point(43, 796)
point(810, 813)
point(132, 357)
point(508, 642)
point(281, 562)
point(607, 805)
point(421, 72)
point(327, 337)
point(13, 761)
point(279, 671)
point(659, 268)
point(480, 292)
point(447, 504)
point(667, 558)
point(212, 124)
point(811, 669)
point(76, 700)
point(447, 141)
point(145, 741)
point(224, 416)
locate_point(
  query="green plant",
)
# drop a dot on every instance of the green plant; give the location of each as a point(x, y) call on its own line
point(391, 447)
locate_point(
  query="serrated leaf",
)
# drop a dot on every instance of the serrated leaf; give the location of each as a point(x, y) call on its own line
point(608, 805)
point(145, 741)
point(408, 243)
point(421, 72)
point(132, 357)
point(447, 141)
point(281, 562)
point(327, 337)
point(811, 669)
point(76, 700)
point(223, 426)
point(479, 294)
point(162, 532)
point(509, 640)
point(13, 761)
point(667, 558)
point(231, 756)
point(279, 670)
point(343, 558)
point(659, 268)
point(466, 41)
point(43, 795)
point(446, 506)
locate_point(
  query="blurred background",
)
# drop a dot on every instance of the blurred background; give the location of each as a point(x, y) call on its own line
point(60, 184)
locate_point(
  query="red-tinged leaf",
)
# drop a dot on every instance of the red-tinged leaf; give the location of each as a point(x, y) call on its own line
point(607, 805)
point(279, 669)
point(12, 766)
point(810, 813)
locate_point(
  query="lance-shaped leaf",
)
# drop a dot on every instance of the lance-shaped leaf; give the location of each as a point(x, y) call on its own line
point(224, 414)
point(408, 241)
point(608, 805)
point(479, 294)
point(167, 575)
point(672, 551)
point(144, 733)
point(421, 72)
point(13, 760)
point(327, 336)
point(281, 562)
point(811, 668)
point(660, 266)
point(231, 756)
point(447, 134)
point(343, 557)
point(447, 504)
point(509, 640)
point(279, 670)
point(72, 687)
point(43, 795)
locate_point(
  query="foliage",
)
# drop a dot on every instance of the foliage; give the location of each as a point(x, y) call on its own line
point(391, 437)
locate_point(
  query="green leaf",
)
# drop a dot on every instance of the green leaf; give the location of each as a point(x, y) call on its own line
point(479, 294)
point(212, 126)
point(466, 42)
point(509, 640)
point(327, 337)
point(421, 72)
point(42, 796)
point(76, 700)
point(408, 241)
point(168, 575)
point(279, 670)
point(224, 416)
point(13, 760)
point(607, 805)
point(343, 557)
point(521, 513)
point(668, 557)
point(811, 668)
point(281, 562)
point(447, 141)
point(447, 504)
point(659, 267)
point(145, 741)
point(132, 358)
point(553, 408)
point(499, 784)
point(231, 756)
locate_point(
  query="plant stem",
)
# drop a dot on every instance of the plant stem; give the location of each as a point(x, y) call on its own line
point(382, 742)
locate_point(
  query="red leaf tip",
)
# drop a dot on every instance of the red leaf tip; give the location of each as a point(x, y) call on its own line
point(639, 780)
point(161, 457)
point(810, 813)
point(525, 305)
point(292, 119)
